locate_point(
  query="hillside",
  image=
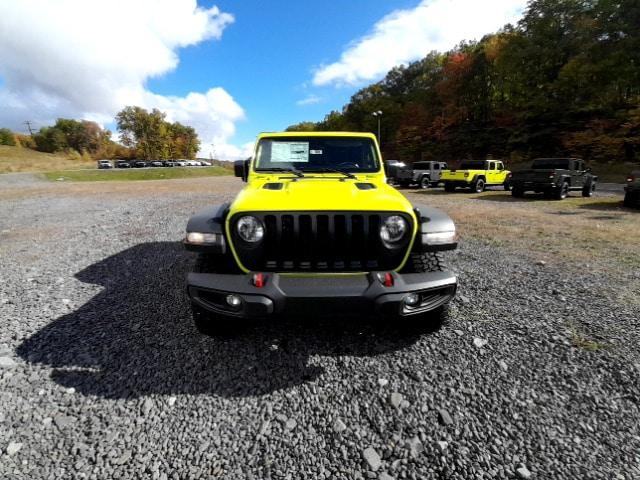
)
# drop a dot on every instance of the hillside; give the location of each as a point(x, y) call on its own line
point(19, 159)
point(564, 81)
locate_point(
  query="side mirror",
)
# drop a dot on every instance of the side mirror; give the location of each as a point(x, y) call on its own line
point(241, 169)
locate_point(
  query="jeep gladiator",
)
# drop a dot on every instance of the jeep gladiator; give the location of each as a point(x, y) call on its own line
point(476, 175)
point(555, 177)
point(318, 229)
point(423, 174)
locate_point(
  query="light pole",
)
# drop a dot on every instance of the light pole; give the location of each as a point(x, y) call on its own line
point(378, 115)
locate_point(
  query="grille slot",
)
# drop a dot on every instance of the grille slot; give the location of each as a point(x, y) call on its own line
point(320, 242)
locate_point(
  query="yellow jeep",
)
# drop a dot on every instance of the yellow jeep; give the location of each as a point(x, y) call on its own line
point(318, 229)
point(477, 175)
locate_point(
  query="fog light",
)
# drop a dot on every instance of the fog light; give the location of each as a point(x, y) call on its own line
point(412, 300)
point(234, 301)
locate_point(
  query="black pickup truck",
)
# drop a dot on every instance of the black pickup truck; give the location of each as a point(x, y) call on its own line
point(555, 177)
point(632, 190)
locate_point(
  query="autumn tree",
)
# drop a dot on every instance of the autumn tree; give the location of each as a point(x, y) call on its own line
point(153, 137)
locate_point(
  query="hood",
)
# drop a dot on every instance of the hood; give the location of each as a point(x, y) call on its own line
point(318, 194)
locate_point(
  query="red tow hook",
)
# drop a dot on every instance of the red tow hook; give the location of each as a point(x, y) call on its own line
point(385, 278)
point(259, 280)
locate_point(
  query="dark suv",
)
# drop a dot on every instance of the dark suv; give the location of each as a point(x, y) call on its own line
point(555, 177)
point(632, 195)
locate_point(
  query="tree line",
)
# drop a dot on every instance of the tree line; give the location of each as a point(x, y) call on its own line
point(564, 81)
point(143, 134)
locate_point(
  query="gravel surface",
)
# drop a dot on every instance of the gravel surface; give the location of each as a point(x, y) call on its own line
point(102, 375)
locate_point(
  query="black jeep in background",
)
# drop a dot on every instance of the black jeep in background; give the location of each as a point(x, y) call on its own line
point(632, 190)
point(555, 177)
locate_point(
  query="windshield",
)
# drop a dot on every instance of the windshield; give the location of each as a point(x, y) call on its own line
point(315, 154)
point(472, 165)
point(550, 163)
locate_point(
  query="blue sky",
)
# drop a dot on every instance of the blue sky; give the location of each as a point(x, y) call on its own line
point(229, 69)
point(266, 58)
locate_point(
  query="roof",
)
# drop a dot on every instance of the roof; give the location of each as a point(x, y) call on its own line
point(316, 134)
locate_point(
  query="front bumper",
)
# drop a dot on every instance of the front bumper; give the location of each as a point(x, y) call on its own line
point(285, 294)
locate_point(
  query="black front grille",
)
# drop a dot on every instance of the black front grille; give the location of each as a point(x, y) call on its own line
point(320, 241)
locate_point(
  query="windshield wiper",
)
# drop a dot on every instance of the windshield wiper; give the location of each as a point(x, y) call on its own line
point(331, 170)
point(295, 171)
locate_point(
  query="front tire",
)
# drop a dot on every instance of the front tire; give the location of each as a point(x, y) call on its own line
point(433, 320)
point(207, 322)
point(478, 186)
point(631, 200)
point(588, 190)
point(562, 191)
point(517, 192)
point(211, 324)
point(507, 186)
point(425, 182)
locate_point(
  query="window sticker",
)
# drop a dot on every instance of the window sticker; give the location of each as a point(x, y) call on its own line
point(315, 152)
point(290, 152)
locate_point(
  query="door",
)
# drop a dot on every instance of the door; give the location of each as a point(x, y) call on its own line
point(491, 173)
point(501, 173)
point(578, 174)
point(435, 172)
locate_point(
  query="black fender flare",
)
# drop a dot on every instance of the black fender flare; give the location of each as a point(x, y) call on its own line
point(208, 220)
point(432, 220)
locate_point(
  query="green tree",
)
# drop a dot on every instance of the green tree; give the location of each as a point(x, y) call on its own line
point(7, 137)
point(153, 137)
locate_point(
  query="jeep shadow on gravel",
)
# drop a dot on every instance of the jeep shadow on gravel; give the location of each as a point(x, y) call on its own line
point(555, 177)
point(317, 229)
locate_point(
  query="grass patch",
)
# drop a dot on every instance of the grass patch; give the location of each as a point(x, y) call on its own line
point(594, 230)
point(580, 341)
point(120, 175)
point(22, 159)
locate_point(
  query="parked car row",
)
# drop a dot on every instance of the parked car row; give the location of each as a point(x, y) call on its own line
point(106, 164)
point(554, 177)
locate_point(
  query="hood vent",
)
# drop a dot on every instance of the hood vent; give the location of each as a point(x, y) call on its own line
point(365, 186)
point(273, 186)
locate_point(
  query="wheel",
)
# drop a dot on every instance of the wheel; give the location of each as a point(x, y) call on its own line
point(429, 321)
point(589, 189)
point(449, 187)
point(517, 192)
point(212, 324)
point(562, 191)
point(507, 186)
point(424, 262)
point(425, 182)
point(207, 263)
point(478, 186)
point(206, 322)
point(631, 200)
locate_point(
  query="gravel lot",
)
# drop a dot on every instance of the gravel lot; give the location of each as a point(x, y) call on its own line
point(102, 375)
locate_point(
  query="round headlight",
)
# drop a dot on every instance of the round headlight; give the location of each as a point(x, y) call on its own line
point(393, 229)
point(250, 229)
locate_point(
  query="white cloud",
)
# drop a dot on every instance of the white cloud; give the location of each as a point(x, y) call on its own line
point(407, 35)
point(88, 59)
point(309, 100)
